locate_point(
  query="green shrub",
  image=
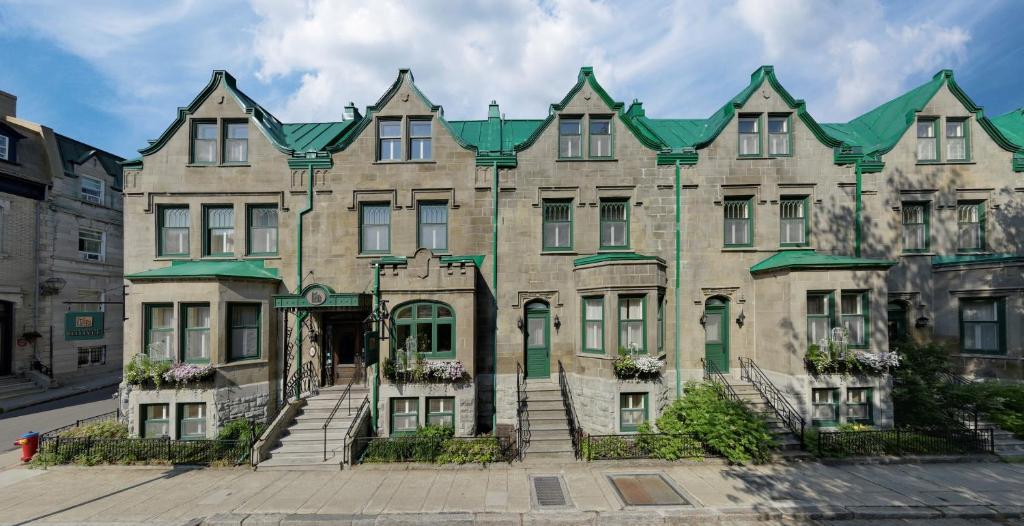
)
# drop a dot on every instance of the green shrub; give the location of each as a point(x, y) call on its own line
point(920, 386)
point(145, 372)
point(435, 444)
point(1003, 404)
point(103, 429)
point(668, 446)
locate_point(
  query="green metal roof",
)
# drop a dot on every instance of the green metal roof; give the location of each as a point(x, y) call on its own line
point(233, 268)
point(476, 260)
point(73, 152)
point(1012, 126)
point(613, 256)
point(312, 136)
point(810, 260)
point(967, 259)
point(495, 135)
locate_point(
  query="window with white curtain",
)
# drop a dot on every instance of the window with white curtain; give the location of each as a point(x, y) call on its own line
point(915, 227)
point(420, 140)
point(970, 217)
point(204, 142)
point(750, 135)
point(738, 224)
point(956, 140)
point(220, 231)
point(927, 142)
point(197, 333)
point(433, 232)
point(593, 324)
point(853, 313)
point(793, 221)
point(375, 223)
point(389, 140)
point(778, 135)
point(981, 326)
point(236, 142)
point(263, 230)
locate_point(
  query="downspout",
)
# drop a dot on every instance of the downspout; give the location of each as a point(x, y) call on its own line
point(301, 317)
point(679, 381)
point(376, 376)
point(494, 284)
point(857, 210)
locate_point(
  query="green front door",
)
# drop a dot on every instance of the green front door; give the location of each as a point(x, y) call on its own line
point(538, 341)
point(716, 334)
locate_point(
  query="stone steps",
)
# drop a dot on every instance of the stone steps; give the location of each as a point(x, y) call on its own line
point(301, 446)
point(549, 429)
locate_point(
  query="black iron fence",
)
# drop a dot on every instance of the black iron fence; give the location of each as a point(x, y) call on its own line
point(113, 415)
point(57, 450)
point(905, 441)
point(437, 450)
point(648, 445)
point(787, 414)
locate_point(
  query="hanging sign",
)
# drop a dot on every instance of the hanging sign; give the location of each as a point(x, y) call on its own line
point(83, 326)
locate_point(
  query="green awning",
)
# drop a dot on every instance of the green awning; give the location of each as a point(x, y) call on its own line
point(612, 256)
point(476, 260)
point(811, 260)
point(233, 268)
point(967, 259)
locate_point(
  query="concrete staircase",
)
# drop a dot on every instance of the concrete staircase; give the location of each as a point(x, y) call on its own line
point(549, 428)
point(784, 438)
point(14, 386)
point(301, 447)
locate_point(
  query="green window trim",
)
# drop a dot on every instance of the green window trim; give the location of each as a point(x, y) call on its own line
point(162, 212)
point(596, 321)
point(966, 121)
point(624, 400)
point(234, 325)
point(829, 316)
point(435, 320)
point(194, 141)
point(759, 132)
point(167, 331)
point(566, 139)
point(433, 416)
point(867, 404)
point(609, 212)
point(144, 419)
point(394, 413)
point(788, 133)
point(187, 331)
point(183, 421)
point(423, 209)
point(420, 147)
point(999, 324)
point(733, 208)
point(643, 320)
point(227, 140)
point(661, 325)
point(864, 304)
point(555, 213)
point(831, 402)
point(789, 206)
point(934, 121)
point(597, 119)
point(362, 225)
point(963, 217)
point(391, 142)
point(916, 215)
point(208, 230)
point(256, 214)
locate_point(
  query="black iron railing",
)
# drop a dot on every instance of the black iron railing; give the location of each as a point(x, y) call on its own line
point(714, 375)
point(348, 452)
point(113, 415)
point(522, 414)
point(337, 405)
point(575, 431)
point(788, 415)
point(905, 441)
point(60, 450)
point(307, 380)
point(655, 445)
point(441, 450)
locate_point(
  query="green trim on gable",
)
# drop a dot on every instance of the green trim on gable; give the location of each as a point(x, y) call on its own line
point(808, 259)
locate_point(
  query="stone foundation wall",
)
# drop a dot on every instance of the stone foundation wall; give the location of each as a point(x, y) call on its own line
point(252, 402)
point(798, 391)
point(465, 404)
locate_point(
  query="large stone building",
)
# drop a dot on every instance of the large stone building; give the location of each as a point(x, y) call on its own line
point(545, 248)
point(60, 256)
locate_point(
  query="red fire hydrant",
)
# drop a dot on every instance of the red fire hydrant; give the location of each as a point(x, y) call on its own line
point(29, 443)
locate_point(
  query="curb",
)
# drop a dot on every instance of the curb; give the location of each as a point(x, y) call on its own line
point(4, 409)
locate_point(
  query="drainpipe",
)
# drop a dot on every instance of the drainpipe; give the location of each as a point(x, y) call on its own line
point(857, 210)
point(679, 381)
point(494, 284)
point(299, 318)
point(376, 376)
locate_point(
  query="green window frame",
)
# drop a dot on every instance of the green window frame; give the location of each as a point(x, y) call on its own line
point(780, 135)
point(859, 405)
point(601, 143)
point(592, 313)
point(204, 142)
point(825, 407)
point(970, 222)
point(262, 228)
point(632, 411)
point(820, 316)
point(236, 142)
point(794, 226)
point(405, 411)
point(441, 411)
point(389, 140)
point(983, 326)
point(570, 138)
point(854, 307)
point(195, 333)
point(155, 421)
point(420, 139)
point(174, 225)
point(375, 228)
point(219, 230)
point(158, 341)
point(661, 325)
point(927, 140)
point(614, 225)
point(192, 421)
point(632, 321)
point(432, 225)
point(738, 222)
point(916, 226)
point(244, 331)
point(958, 136)
point(424, 319)
point(556, 228)
point(749, 135)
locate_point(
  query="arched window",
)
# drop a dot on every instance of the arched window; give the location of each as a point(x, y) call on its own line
point(432, 325)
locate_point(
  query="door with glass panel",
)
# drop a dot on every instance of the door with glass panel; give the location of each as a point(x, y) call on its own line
point(538, 340)
point(716, 333)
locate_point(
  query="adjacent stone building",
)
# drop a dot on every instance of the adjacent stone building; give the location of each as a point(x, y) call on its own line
point(454, 260)
point(60, 254)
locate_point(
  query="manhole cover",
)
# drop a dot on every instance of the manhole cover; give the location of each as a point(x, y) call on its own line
point(549, 491)
point(646, 490)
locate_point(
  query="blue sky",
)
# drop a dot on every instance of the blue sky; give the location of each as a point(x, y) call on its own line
point(112, 73)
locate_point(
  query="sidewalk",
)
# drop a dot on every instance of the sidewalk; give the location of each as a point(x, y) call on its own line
point(75, 387)
point(790, 493)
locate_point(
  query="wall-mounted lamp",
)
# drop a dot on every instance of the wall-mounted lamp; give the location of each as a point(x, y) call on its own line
point(558, 323)
point(703, 318)
point(921, 322)
point(741, 318)
point(519, 323)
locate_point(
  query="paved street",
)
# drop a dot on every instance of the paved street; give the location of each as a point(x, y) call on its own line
point(51, 415)
point(388, 494)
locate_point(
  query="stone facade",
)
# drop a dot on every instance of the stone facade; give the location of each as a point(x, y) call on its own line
point(352, 199)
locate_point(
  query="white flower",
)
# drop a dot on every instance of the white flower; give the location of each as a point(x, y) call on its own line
point(879, 361)
point(648, 364)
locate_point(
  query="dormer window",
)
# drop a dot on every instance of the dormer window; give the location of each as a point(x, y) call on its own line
point(750, 136)
point(600, 137)
point(956, 140)
point(5, 148)
point(389, 133)
point(927, 141)
point(236, 142)
point(92, 190)
point(204, 143)
point(778, 135)
point(570, 139)
point(419, 140)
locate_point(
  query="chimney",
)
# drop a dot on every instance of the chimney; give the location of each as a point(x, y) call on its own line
point(8, 105)
point(492, 110)
point(351, 112)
